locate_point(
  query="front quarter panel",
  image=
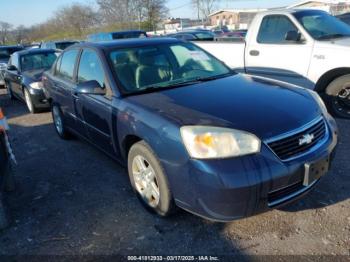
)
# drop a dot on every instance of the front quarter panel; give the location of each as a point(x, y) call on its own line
point(161, 134)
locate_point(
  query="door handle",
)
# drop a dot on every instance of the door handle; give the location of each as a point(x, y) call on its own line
point(254, 53)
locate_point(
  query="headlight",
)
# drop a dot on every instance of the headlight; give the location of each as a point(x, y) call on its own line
point(319, 101)
point(205, 142)
point(36, 85)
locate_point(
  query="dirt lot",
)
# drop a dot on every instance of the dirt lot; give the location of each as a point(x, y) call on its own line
point(71, 199)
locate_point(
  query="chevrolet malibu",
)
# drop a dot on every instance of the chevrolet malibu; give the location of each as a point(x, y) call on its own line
point(192, 133)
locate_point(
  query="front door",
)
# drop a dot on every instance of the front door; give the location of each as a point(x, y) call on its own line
point(14, 76)
point(95, 110)
point(272, 55)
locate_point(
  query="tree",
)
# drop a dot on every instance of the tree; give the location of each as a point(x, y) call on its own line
point(155, 12)
point(5, 29)
point(76, 18)
point(205, 7)
point(131, 13)
point(20, 34)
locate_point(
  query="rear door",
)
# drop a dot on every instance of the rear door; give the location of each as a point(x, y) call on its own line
point(271, 55)
point(95, 110)
point(63, 85)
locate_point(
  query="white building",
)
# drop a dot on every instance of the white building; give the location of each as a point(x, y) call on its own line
point(241, 18)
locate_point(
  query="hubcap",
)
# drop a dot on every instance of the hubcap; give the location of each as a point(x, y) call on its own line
point(342, 101)
point(145, 181)
point(57, 119)
point(28, 101)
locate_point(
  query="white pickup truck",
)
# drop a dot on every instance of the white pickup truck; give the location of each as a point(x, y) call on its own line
point(309, 48)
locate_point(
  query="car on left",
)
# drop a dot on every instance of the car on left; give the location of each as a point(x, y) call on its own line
point(5, 53)
point(6, 175)
point(23, 77)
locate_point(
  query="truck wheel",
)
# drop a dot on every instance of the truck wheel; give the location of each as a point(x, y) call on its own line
point(59, 123)
point(338, 97)
point(148, 180)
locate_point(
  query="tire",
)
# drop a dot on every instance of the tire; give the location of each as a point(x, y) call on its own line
point(9, 91)
point(146, 174)
point(59, 123)
point(337, 97)
point(28, 99)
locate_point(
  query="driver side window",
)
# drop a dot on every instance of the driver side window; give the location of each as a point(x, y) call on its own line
point(274, 28)
point(90, 68)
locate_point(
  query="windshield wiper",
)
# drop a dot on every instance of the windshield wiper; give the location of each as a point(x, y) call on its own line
point(148, 89)
point(210, 78)
point(326, 37)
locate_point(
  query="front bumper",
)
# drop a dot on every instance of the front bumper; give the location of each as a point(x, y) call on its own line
point(229, 189)
point(39, 99)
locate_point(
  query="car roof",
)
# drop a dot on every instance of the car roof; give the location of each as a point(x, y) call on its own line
point(288, 11)
point(62, 41)
point(10, 46)
point(125, 43)
point(35, 51)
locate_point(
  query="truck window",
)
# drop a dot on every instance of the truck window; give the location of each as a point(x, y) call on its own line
point(274, 28)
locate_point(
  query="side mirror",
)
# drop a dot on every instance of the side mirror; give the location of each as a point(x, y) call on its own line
point(90, 88)
point(12, 68)
point(293, 36)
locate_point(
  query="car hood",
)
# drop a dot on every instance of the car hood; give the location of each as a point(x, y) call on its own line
point(34, 75)
point(258, 105)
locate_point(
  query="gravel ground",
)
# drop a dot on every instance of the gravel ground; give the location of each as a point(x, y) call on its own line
point(71, 199)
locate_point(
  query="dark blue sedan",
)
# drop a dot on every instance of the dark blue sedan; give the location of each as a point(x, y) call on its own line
point(193, 133)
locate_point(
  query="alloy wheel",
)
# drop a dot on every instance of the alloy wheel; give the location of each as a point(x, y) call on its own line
point(28, 101)
point(57, 119)
point(145, 181)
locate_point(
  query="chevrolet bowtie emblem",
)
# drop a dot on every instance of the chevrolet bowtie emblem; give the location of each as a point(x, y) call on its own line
point(306, 139)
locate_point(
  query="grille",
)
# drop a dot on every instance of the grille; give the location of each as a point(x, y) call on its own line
point(289, 147)
point(276, 197)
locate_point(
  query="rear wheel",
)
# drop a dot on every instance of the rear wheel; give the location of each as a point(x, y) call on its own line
point(338, 97)
point(148, 180)
point(58, 121)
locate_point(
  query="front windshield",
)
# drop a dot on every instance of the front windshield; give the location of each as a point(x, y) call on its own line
point(321, 25)
point(37, 61)
point(164, 66)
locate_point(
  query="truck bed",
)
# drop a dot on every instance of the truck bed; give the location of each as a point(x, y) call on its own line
point(233, 52)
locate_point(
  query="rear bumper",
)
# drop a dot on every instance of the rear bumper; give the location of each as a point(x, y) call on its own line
point(229, 189)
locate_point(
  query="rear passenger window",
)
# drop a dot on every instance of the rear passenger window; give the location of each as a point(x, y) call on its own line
point(66, 70)
point(274, 28)
point(90, 68)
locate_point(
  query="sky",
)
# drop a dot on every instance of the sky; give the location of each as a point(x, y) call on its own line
point(30, 12)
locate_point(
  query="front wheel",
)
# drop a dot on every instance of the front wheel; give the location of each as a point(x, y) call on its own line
point(338, 97)
point(28, 98)
point(148, 180)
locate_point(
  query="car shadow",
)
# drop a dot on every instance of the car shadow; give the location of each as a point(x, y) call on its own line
point(71, 199)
